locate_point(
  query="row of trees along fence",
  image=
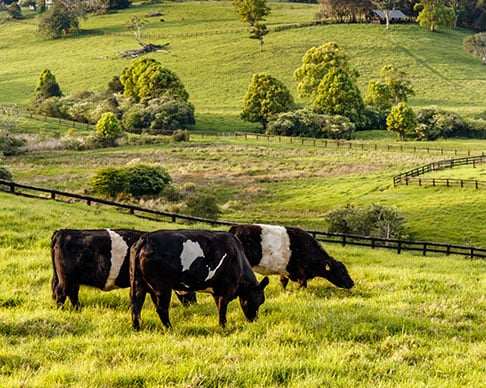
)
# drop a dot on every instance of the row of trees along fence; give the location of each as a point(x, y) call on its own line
point(345, 144)
point(407, 177)
point(344, 239)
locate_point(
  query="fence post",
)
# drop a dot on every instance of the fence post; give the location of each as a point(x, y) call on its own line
point(12, 187)
point(399, 247)
point(53, 195)
point(344, 241)
point(424, 252)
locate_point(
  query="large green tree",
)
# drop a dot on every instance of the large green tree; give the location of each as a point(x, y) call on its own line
point(266, 96)
point(316, 63)
point(435, 14)
point(146, 78)
point(338, 94)
point(61, 19)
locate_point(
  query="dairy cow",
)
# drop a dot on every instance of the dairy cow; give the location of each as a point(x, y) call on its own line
point(96, 257)
point(291, 253)
point(188, 261)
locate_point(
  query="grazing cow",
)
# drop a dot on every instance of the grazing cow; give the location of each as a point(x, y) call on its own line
point(97, 258)
point(291, 253)
point(188, 261)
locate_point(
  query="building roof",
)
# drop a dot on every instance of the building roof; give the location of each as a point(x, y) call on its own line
point(394, 14)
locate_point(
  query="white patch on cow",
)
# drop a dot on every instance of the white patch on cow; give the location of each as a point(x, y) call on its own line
point(119, 250)
point(190, 252)
point(213, 272)
point(275, 250)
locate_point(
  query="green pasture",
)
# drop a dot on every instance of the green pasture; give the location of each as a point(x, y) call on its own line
point(212, 54)
point(409, 321)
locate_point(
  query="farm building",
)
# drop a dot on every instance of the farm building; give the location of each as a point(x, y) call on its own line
point(395, 16)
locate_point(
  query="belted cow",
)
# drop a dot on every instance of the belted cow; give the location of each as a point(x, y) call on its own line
point(192, 260)
point(96, 257)
point(291, 253)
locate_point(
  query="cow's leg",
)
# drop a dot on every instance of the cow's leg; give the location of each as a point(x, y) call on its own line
point(58, 292)
point(284, 280)
point(222, 305)
point(137, 298)
point(302, 283)
point(72, 291)
point(163, 303)
point(187, 298)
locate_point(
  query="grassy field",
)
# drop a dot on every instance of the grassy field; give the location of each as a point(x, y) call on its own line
point(210, 51)
point(409, 321)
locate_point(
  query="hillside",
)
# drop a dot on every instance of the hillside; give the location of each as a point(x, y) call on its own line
point(210, 51)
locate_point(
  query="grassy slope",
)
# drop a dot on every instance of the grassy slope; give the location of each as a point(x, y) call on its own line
point(409, 321)
point(216, 69)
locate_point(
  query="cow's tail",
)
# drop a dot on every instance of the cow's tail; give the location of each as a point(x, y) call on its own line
point(55, 276)
point(137, 288)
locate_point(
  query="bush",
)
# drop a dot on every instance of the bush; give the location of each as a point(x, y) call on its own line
point(135, 179)
point(302, 122)
point(434, 123)
point(5, 174)
point(108, 128)
point(337, 127)
point(168, 114)
point(180, 135)
point(375, 221)
point(202, 205)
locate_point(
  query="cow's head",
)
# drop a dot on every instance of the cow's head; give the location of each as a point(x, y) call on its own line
point(252, 298)
point(336, 273)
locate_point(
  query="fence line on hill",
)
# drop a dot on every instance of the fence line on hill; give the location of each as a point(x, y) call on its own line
point(406, 177)
point(318, 142)
point(157, 215)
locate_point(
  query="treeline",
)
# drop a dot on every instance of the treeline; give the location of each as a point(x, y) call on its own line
point(469, 13)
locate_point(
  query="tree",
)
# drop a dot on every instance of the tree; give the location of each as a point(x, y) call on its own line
point(435, 14)
point(146, 78)
point(46, 87)
point(394, 88)
point(253, 12)
point(61, 19)
point(401, 120)
point(14, 11)
point(108, 128)
point(338, 94)
point(266, 96)
point(316, 63)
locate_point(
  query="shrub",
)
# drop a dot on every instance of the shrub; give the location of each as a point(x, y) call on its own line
point(109, 182)
point(108, 128)
point(302, 122)
point(5, 174)
point(337, 127)
point(180, 135)
point(135, 179)
point(202, 205)
point(435, 123)
point(375, 220)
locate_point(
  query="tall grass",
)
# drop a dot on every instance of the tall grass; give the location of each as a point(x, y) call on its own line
point(409, 321)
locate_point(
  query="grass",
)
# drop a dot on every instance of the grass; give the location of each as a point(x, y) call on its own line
point(216, 68)
point(409, 321)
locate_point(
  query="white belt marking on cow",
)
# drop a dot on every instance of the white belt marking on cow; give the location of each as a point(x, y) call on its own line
point(190, 252)
point(119, 250)
point(213, 272)
point(275, 250)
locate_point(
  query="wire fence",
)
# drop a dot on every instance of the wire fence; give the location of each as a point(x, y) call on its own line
point(425, 247)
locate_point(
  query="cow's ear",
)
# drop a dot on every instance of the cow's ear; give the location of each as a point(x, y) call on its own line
point(264, 282)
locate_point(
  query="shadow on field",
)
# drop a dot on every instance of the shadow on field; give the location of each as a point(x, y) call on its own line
point(43, 328)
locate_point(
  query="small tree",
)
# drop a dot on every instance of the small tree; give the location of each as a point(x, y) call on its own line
point(14, 11)
point(338, 94)
point(46, 87)
point(253, 12)
point(401, 120)
point(108, 128)
point(266, 96)
point(61, 19)
point(398, 84)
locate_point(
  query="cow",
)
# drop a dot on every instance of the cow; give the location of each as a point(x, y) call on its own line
point(97, 258)
point(289, 252)
point(188, 261)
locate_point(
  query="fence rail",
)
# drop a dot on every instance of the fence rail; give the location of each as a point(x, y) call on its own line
point(343, 239)
point(404, 177)
point(326, 143)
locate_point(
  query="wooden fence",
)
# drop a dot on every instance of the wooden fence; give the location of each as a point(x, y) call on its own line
point(405, 177)
point(326, 143)
point(424, 247)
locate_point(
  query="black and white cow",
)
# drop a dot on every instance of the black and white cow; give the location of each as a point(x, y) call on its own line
point(291, 253)
point(96, 257)
point(188, 261)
